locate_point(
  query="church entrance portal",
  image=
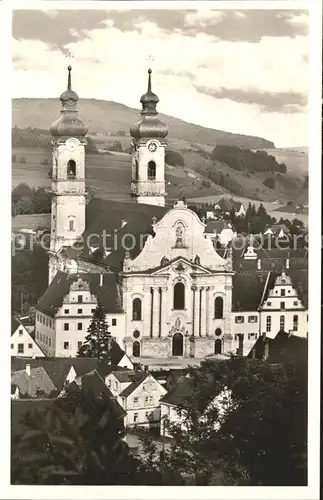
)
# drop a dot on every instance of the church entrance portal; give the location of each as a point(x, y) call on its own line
point(178, 344)
point(217, 346)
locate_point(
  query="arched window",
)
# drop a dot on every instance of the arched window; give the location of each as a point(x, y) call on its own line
point(179, 296)
point(282, 323)
point(71, 169)
point(136, 170)
point(136, 310)
point(136, 349)
point(217, 346)
point(218, 308)
point(295, 323)
point(152, 171)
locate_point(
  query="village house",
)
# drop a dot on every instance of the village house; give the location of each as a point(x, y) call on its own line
point(220, 230)
point(139, 394)
point(22, 342)
point(172, 407)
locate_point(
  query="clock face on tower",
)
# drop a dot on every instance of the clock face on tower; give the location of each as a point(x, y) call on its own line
point(152, 147)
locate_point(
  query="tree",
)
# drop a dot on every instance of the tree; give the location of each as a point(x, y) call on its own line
point(97, 343)
point(174, 158)
point(42, 201)
point(76, 440)
point(257, 437)
point(270, 183)
point(24, 206)
point(20, 191)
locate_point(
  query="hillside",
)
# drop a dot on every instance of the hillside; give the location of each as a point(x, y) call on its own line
point(108, 117)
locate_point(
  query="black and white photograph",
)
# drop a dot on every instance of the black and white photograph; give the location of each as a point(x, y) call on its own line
point(164, 319)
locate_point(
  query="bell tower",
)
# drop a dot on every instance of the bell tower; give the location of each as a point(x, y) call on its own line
point(148, 152)
point(68, 177)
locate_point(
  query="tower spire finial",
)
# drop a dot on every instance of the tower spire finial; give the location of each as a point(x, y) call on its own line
point(69, 68)
point(149, 80)
point(69, 79)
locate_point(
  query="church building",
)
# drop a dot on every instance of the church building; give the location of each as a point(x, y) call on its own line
point(165, 289)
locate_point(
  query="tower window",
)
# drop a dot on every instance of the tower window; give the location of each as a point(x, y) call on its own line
point(179, 296)
point(136, 170)
point(268, 324)
point(136, 310)
point(152, 171)
point(71, 169)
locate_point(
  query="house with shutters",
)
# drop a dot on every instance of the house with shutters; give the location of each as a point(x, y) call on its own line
point(139, 394)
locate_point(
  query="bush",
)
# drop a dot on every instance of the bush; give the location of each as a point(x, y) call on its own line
point(174, 158)
point(270, 183)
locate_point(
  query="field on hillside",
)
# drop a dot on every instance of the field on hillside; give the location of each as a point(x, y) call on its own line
point(296, 159)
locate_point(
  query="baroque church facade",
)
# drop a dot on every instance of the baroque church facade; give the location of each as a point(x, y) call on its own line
point(170, 293)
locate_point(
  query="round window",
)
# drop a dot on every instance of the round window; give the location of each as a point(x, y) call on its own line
point(218, 332)
point(136, 334)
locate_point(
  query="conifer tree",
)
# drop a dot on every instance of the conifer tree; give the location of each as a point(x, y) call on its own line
point(97, 343)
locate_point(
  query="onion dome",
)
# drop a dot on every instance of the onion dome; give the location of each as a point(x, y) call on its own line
point(68, 124)
point(149, 126)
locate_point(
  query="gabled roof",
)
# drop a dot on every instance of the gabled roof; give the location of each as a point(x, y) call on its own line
point(285, 347)
point(37, 382)
point(179, 393)
point(128, 375)
point(94, 384)
point(137, 380)
point(57, 369)
point(247, 290)
point(282, 348)
point(138, 218)
point(276, 228)
point(15, 324)
point(108, 294)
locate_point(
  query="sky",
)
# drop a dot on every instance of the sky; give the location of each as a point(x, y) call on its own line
point(240, 71)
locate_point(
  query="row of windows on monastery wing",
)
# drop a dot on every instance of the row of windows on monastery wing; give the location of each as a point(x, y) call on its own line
point(44, 320)
point(178, 304)
point(151, 170)
point(282, 323)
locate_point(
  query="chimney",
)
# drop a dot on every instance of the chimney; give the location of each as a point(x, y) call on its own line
point(287, 264)
point(28, 369)
point(259, 264)
point(101, 279)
